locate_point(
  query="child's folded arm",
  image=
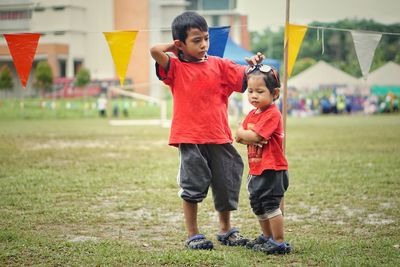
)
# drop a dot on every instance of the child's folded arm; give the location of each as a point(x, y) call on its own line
point(248, 137)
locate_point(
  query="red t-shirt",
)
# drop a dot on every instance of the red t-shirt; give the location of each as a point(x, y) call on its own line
point(200, 92)
point(267, 124)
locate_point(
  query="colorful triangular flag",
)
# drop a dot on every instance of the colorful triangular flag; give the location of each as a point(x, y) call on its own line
point(218, 37)
point(121, 44)
point(365, 45)
point(22, 48)
point(295, 35)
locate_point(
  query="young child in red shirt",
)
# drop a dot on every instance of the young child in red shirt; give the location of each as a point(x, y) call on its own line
point(200, 86)
point(262, 132)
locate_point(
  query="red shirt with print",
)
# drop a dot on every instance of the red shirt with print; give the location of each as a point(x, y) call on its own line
point(268, 124)
point(200, 92)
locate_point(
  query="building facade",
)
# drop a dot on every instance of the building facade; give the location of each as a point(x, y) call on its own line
point(72, 32)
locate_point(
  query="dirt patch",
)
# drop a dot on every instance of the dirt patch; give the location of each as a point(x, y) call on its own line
point(339, 216)
point(376, 219)
point(65, 144)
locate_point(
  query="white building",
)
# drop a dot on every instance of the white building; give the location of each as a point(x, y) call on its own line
point(72, 32)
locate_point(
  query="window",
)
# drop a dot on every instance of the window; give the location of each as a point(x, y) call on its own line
point(39, 9)
point(15, 15)
point(211, 4)
point(58, 8)
point(77, 65)
point(62, 64)
point(193, 5)
point(215, 20)
point(215, 4)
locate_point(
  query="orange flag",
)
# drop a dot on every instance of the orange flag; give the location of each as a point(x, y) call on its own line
point(22, 48)
point(295, 35)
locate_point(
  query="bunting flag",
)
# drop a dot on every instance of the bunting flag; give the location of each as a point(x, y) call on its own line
point(121, 44)
point(295, 35)
point(22, 48)
point(365, 45)
point(218, 37)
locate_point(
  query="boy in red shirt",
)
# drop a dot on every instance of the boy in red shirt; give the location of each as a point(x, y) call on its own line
point(262, 132)
point(200, 85)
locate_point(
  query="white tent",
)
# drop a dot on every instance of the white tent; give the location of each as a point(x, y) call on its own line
point(388, 74)
point(323, 75)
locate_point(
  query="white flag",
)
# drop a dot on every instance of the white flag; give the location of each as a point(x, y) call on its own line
point(365, 44)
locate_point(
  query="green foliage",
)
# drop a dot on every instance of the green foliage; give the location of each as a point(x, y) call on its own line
point(82, 77)
point(43, 77)
point(270, 43)
point(397, 58)
point(6, 81)
point(302, 64)
point(338, 45)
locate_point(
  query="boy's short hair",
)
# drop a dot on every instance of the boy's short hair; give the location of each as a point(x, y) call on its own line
point(184, 22)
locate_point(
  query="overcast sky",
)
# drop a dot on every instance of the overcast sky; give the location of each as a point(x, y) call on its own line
point(271, 13)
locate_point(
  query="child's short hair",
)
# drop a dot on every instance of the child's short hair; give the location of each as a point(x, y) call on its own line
point(184, 22)
point(270, 76)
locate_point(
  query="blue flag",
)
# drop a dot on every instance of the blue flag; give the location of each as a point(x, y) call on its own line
point(218, 38)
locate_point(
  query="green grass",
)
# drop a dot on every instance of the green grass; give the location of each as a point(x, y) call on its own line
point(83, 193)
point(36, 108)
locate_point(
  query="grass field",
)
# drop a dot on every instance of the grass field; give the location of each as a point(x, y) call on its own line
point(83, 193)
point(36, 108)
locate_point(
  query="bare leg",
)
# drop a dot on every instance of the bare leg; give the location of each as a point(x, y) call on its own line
point(265, 224)
point(224, 221)
point(276, 224)
point(266, 228)
point(190, 213)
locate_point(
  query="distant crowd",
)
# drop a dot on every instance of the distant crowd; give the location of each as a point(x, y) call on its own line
point(342, 104)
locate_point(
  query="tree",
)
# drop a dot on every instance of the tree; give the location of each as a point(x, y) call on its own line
point(397, 58)
point(82, 77)
point(43, 77)
point(6, 80)
point(302, 64)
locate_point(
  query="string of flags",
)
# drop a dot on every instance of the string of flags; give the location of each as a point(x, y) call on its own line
point(22, 47)
point(365, 43)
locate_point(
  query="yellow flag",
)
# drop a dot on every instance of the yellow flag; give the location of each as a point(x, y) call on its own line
point(121, 44)
point(296, 34)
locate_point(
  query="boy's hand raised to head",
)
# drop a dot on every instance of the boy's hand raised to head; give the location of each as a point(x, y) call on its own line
point(158, 52)
point(256, 59)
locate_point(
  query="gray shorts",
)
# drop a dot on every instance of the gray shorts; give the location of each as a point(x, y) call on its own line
point(210, 164)
point(266, 190)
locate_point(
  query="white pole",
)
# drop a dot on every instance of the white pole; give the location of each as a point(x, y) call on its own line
point(285, 75)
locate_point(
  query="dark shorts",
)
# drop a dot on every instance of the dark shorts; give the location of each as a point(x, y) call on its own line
point(218, 166)
point(266, 190)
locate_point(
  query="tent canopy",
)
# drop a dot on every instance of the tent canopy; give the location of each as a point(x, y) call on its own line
point(320, 75)
point(387, 75)
point(385, 89)
point(237, 54)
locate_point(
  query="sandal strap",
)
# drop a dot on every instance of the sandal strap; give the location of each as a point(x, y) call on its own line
point(262, 238)
point(195, 237)
point(199, 242)
point(229, 233)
